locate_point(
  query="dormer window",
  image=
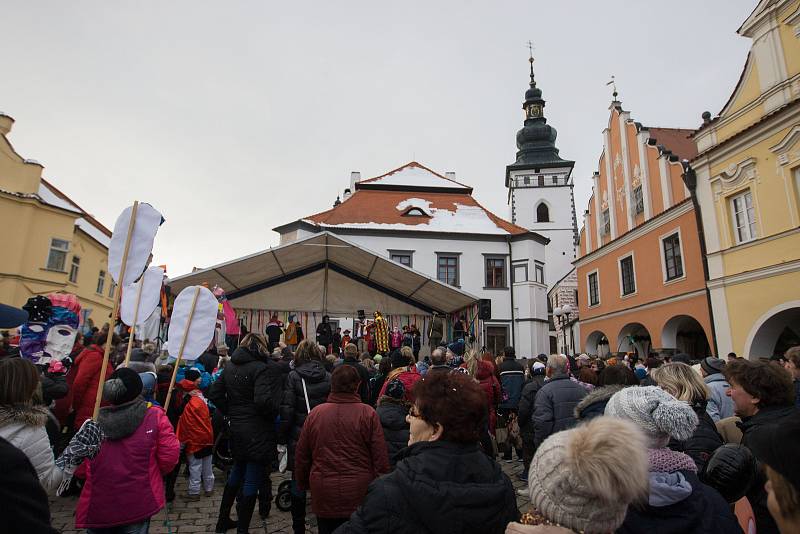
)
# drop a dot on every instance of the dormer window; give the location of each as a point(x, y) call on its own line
point(415, 212)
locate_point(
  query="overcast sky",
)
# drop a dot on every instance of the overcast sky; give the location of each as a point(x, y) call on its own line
point(232, 118)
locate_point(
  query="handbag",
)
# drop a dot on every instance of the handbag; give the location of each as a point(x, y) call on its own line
point(305, 394)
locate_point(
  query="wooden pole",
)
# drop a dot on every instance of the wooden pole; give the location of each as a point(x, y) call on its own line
point(114, 311)
point(135, 321)
point(183, 344)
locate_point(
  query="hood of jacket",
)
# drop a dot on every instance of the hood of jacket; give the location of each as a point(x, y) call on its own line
point(454, 487)
point(118, 422)
point(392, 413)
point(242, 356)
point(668, 488)
point(187, 385)
point(596, 396)
point(716, 377)
point(312, 372)
point(484, 370)
point(23, 414)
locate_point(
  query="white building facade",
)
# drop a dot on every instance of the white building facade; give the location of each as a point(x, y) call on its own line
point(431, 223)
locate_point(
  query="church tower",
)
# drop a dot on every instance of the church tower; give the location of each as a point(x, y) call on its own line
point(540, 186)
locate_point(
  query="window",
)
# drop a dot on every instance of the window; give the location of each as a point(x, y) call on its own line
point(744, 222)
point(576, 299)
point(605, 222)
point(520, 273)
point(542, 213)
point(673, 262)
point(415, 212)
point(73, 270)
point(101, 282)
point(495, 272)
point(526, 180)
point(594, 292)
point(627, 275)
point(447, 269)
point(496, 338)
point(57, 259)
point(111, 288)
point(555, 180)
point(538, 272)
point(403, 257)
point(637, 200)
point(540, 179)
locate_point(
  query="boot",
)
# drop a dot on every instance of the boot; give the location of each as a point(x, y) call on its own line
point(244, 509)
point(298, 513)
point(265, 499)
point(224, 521)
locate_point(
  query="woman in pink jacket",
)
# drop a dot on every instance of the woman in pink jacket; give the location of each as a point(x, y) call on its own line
point(124, 486)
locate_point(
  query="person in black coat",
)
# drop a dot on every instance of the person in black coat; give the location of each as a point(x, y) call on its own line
point(324, 332)
point(685, 384)
point(556, 401)
point(249, 393)
point(351, 358)
point(22, 494)
point(309, 372)
point(392, 411)
point(525, 414)
point(442, 482)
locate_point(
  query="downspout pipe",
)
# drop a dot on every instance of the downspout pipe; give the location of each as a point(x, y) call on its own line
point(511, 288)
point(689, 178)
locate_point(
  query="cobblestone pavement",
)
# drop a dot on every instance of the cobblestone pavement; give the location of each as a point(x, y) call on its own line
point(201, 516)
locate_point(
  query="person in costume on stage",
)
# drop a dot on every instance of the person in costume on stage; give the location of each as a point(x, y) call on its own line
point(290, 333)
point(325, 334)
point(381, 334)
point(436, 331)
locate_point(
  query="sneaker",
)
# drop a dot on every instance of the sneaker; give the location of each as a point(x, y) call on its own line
point(508, 460)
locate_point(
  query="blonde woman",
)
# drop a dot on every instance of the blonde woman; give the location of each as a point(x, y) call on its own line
point(685, 384)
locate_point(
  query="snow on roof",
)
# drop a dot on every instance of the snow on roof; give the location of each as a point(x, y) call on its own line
point(421, 203)
point(465, 219)
point(414, 175)
point(94, 229)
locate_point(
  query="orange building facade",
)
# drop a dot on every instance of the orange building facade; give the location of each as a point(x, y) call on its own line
point(641, 282)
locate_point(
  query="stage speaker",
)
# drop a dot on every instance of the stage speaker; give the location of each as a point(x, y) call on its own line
point(485, 309)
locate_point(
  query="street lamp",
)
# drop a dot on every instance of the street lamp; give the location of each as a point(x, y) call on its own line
point(562, 317)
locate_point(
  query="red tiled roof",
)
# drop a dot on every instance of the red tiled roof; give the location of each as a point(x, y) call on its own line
point(677, 140)
point(375, 206)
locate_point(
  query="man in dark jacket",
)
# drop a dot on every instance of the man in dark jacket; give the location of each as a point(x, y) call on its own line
point(249, 393)
point(512, 378)
point(324, 333)
point(556, 401)
point(763, 395)
point(525, 414)
point(274, 331)
point(351, 358)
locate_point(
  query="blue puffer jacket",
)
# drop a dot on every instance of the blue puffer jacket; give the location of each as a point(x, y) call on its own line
point(719, 405)
point(512, 378)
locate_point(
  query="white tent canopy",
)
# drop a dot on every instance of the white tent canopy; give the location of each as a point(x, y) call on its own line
point(325, 273)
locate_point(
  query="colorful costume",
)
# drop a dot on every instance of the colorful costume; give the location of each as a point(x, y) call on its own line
point(381, 334)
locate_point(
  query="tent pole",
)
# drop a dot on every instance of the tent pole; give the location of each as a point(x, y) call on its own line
point(325, 292)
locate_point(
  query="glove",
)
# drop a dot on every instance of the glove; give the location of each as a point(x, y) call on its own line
point(84, 444)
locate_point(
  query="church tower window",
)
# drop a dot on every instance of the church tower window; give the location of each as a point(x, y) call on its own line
point(542, 213)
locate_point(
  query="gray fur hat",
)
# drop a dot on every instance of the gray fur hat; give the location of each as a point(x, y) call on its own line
point(657, 413)
point(584, 479)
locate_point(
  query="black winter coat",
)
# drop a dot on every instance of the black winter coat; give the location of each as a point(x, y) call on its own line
point(438, 486)
point(324, 334)
point(757, 495)
point(703, 442)
point(54, 386)
point(363, 374)
point(249, 393)
point(396, 429)
point(512, 378)
point(526, 405)
point(555, 407)
point(704, 511)
point(293, 405)
point(22, 494)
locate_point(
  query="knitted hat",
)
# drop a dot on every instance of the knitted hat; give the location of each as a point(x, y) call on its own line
point(192, 374)
point(660, 415)
point(122, 386)
point(584, 478)
point(396, 389)
point(712, 365)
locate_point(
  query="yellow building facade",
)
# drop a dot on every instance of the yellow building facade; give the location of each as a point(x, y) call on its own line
point(748, 189)
point(49, 243)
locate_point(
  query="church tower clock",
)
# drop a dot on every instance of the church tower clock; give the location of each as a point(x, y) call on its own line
point(540, 187)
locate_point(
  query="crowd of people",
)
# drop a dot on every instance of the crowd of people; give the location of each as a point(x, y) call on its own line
point(388, 441)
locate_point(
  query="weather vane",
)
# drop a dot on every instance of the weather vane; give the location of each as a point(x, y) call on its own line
point(530, 50)
point(613, 83)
